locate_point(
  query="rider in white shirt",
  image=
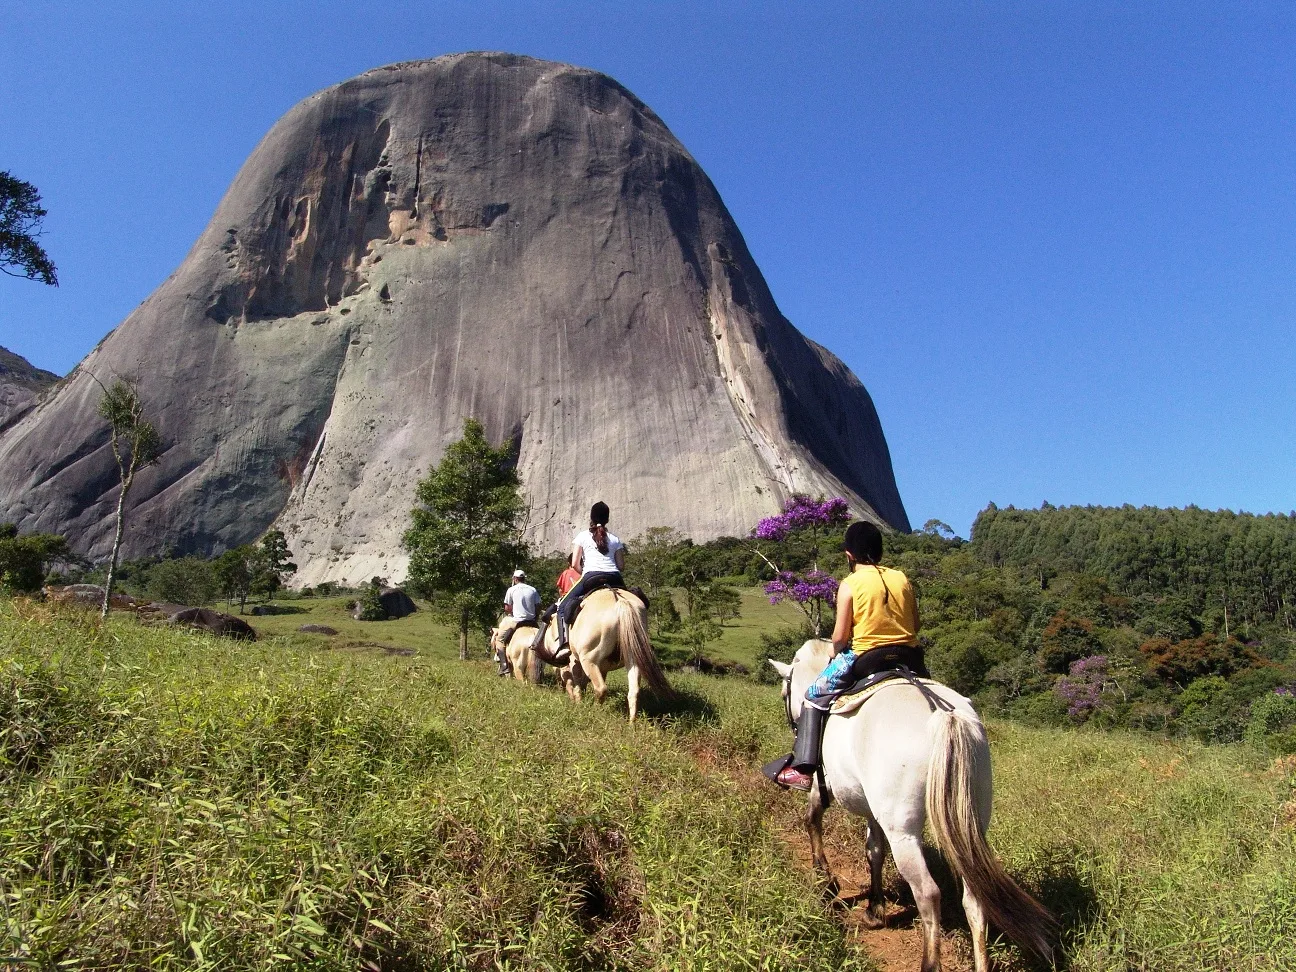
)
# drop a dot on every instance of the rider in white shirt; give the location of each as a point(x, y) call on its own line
point(600, 557)
point(522, 601)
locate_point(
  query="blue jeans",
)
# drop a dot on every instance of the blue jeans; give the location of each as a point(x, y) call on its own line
point(836, 677)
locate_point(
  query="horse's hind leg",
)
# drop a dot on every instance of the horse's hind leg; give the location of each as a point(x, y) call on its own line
point(632, 690)
point(977, 923)
point(597, 682)
point(908, 854)
point(875, 914)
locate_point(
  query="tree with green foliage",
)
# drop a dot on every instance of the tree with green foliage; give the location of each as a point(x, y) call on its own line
point(135, 445)
point(234, 570)
point(21, 254)
point(270, 564)
point(190, 581)
point(464, 540)
point(24, 560)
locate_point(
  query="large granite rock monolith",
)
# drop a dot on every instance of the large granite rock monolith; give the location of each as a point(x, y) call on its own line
point(479, 235)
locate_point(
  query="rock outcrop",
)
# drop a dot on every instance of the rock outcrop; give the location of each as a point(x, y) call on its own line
point(21, 383)
point(480, 235)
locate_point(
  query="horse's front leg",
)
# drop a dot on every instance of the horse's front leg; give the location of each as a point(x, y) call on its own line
point(875, 913)
point(815, 807)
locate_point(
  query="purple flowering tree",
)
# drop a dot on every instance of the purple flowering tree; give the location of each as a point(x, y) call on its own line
point(812, 591)
point(1089, 680)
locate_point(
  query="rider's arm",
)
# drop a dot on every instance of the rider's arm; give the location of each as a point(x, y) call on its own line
point(844, 628)
point(577, 557)
point(619, 558)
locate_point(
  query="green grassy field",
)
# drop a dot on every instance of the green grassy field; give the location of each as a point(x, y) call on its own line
point(740, 641)
point(170, 800)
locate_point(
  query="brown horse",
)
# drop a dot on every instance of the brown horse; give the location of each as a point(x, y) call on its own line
point(611, 631)
point(525, 664)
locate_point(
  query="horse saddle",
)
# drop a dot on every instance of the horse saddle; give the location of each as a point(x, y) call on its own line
point(854, 697)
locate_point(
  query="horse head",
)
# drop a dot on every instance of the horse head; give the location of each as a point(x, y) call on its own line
point(806, 665)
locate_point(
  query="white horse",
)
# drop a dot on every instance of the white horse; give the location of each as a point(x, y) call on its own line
point(898, 761)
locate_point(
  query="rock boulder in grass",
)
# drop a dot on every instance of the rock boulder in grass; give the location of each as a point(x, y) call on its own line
point(215, 622)
point(323, 629)
point(396, 603)
point(480, 235)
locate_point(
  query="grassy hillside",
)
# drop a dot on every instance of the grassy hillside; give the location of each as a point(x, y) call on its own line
point(172, 800)
point(168, 800)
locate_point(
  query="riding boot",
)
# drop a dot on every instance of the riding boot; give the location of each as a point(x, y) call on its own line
point(501, 657)
point(809, 738)
point(561, 651)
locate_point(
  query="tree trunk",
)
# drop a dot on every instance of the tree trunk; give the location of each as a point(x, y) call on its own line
point(463, 636)
point(116, 548)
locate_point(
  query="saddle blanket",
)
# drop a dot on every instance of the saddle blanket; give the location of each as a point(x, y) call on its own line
point(851, 701)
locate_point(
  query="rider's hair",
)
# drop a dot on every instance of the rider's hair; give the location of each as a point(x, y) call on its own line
point(599, 515)
point(864, 543)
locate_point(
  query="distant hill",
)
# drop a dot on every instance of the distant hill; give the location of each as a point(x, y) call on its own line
point(21, 383)
point(1239, 561)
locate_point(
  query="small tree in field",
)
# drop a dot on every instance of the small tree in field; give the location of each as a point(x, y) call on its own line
point(464, 541)
point(135, 445)
point(234, 570)
point(270, 564)
point(805, 520)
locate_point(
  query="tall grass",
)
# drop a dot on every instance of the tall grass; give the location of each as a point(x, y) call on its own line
point(170, 800)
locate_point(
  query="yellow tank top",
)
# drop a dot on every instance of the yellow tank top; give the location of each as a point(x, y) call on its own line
point(882, 620)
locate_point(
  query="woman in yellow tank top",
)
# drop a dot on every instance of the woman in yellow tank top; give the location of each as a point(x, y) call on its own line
point(877, 629)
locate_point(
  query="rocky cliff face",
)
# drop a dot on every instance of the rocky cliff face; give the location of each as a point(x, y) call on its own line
point(479, 235)
point(20, 385)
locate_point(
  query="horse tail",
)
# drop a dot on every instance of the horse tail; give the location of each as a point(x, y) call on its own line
point(961, 756)
point(637, 650)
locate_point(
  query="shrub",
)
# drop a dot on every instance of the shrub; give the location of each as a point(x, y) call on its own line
point(1273, 721)
point(189, 581)
point(370, 603)
point(780, 645)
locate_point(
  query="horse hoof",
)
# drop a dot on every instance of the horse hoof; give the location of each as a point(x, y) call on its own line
point(873, 917)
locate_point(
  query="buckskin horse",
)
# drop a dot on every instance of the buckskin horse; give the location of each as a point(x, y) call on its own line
point(611, 631)
point(906, 756)
point(523, 661)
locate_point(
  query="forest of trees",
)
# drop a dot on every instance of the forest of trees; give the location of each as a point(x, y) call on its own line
point(1176, 621)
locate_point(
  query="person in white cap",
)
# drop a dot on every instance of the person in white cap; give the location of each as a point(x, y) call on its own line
point(521, 601)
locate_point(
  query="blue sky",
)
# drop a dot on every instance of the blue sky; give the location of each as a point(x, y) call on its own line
point(1056, 241)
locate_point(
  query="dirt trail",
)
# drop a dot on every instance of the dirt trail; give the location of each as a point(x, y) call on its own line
point(898, 946)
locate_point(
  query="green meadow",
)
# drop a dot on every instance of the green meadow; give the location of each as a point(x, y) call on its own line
point(170, 800)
